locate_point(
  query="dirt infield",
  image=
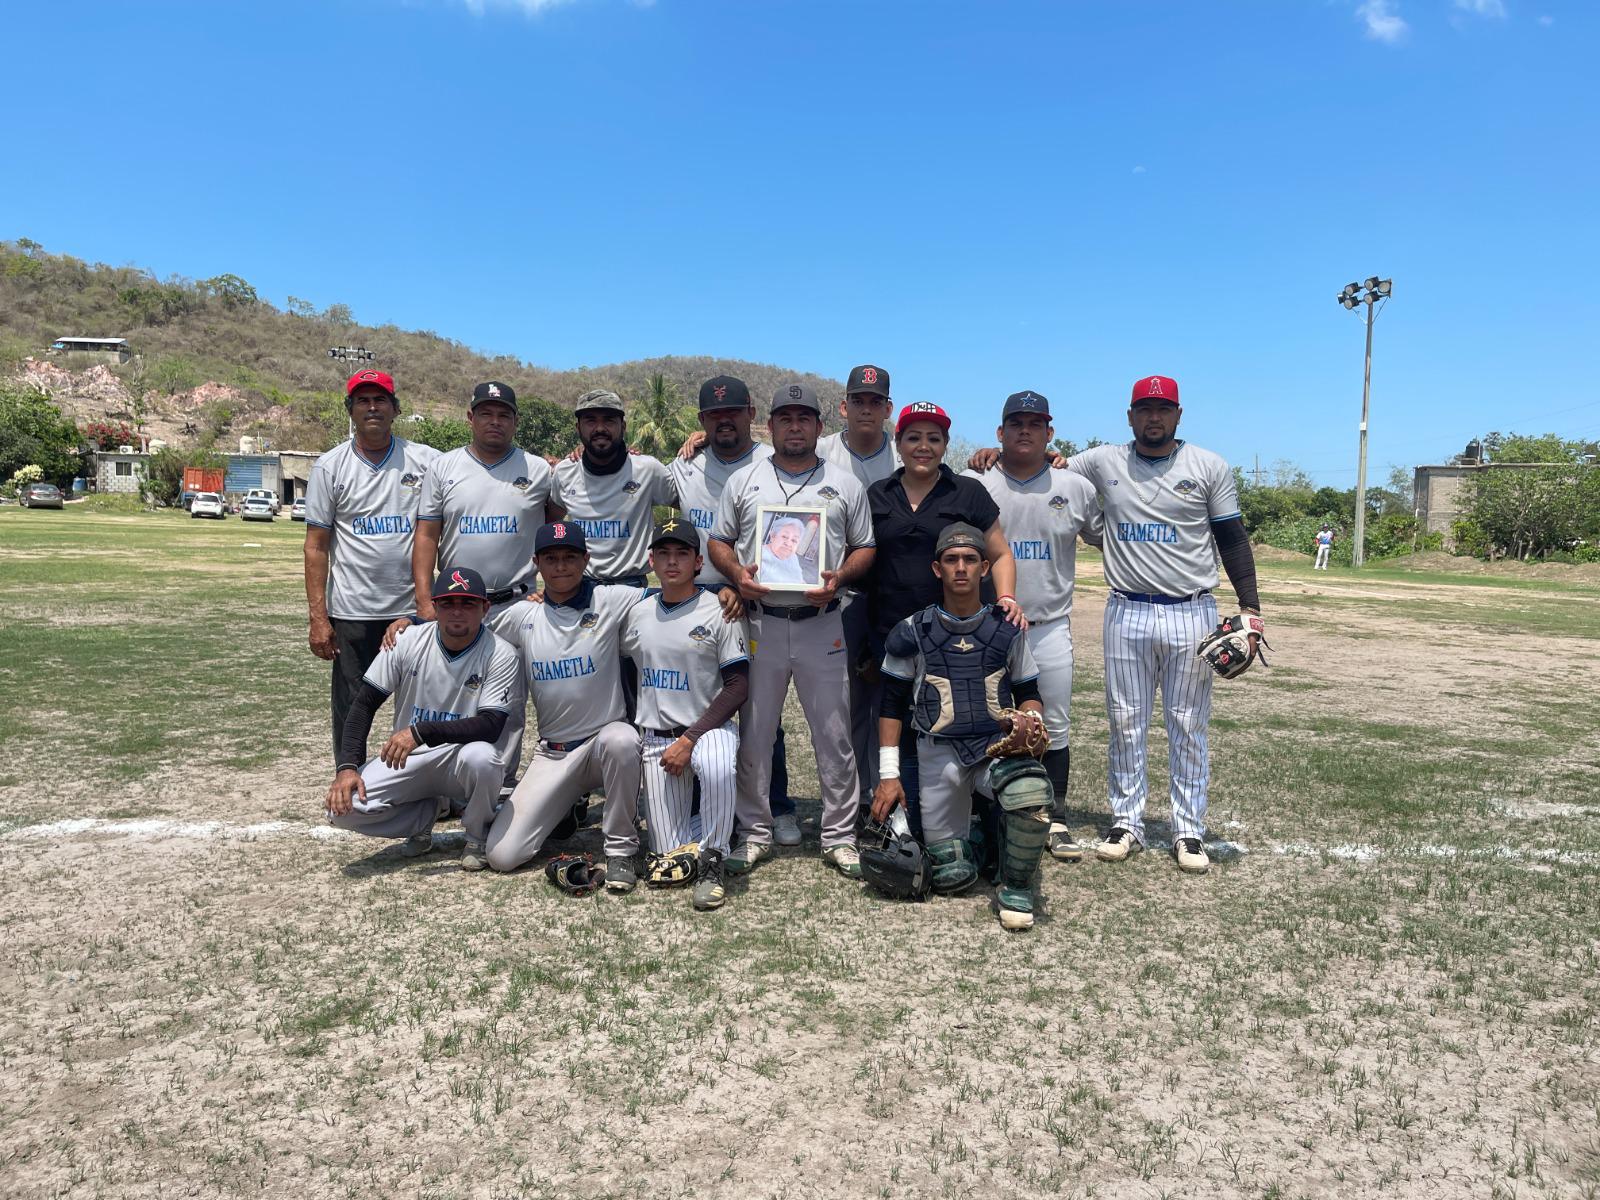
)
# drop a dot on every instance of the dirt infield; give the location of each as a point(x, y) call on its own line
point(1386, 986)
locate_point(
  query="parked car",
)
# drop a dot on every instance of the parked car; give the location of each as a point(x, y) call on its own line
point(297, 510)
point(256, 508)
point(208, 504)
point(40, 495)
point(268, 495)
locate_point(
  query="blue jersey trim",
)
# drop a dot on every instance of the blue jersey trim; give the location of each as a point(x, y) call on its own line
point(375, 466)
point(490, 466)
point(452, 657)
point(318, 524)
point(1230, 517)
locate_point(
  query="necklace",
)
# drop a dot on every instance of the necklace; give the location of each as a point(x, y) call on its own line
point(788, 496)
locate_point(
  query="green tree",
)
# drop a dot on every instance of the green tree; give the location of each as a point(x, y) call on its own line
point(442, 433)
point(232, 291)
point(297, 307)
point(34, 431)
point(544, 427)
point(171, 374)
point(1066, 447)
point(1521, 512)
point(660, 421)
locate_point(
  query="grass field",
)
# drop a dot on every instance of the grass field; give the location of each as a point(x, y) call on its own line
point(1388, 986)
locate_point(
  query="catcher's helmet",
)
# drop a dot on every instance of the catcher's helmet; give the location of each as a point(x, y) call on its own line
point(893, 861)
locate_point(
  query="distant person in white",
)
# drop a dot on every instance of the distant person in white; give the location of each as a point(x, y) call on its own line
point(1324, 547)
point(779, 562)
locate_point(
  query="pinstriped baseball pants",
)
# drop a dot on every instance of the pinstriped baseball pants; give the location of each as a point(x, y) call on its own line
point(1149, 646)
point(668, 798)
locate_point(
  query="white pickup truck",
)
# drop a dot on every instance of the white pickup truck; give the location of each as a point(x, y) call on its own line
point(270, 497)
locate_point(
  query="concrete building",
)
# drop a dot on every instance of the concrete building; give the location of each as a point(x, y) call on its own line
point(119, 470)
point(79, 350)
point(1441, 492)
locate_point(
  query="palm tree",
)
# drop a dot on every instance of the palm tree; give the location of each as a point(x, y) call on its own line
point(660, 421)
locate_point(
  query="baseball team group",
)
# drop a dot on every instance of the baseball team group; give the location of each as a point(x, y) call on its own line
point(923, 618)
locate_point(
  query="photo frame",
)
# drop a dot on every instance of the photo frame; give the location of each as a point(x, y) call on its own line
point(792, 547)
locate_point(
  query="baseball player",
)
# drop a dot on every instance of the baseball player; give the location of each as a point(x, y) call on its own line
point(1170, 510)
point(700, 472)
point(802, 641)
point(694, 675)
point(955, 668)
point(1324, 541)
point(453, 684)
point(482, 507)
point(570, 652)
point(1044, 512)
point(609, 493)
point(361, 509)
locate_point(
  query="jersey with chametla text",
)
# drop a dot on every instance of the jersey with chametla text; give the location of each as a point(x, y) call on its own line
point(868, 468)
point(680, 650)
point(1158, 515)
point(488, 513)
point(430, 683)
point(371, 509)
point(1042, 517)
point(571, 655)
point(614, 511)
point(700, 481)
point(827, 486)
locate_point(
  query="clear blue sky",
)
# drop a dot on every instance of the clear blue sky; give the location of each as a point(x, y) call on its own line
point(979, 196)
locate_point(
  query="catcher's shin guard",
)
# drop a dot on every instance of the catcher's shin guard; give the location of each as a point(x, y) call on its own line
point(1022, 788)
point(953, 868)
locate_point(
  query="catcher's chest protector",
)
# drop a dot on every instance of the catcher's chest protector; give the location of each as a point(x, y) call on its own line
point(964, 683)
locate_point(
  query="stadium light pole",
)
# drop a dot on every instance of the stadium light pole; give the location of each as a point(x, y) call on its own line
point(349, 354)
point(1373, 293)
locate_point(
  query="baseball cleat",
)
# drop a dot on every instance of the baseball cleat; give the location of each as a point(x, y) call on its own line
point(1118, 845)
point(1063, 846)
point(620, 874)
point(746, 855)
point(845, 859)
point(475, 857)
point(417, 845)
point(709, 892)
point(786, 830)
point(1191, 856)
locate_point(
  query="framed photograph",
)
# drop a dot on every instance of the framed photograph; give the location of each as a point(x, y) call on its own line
point(793, 547)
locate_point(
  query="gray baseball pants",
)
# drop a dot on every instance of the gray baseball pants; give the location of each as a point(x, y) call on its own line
point(503, 620)
point(947, 785)
point(406, 802)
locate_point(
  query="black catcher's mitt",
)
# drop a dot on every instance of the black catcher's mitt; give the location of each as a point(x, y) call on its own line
point(574, 874)
point(675, 868)
point(1226, 648)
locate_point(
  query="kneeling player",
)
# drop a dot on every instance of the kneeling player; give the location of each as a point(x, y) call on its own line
point(453, 684)
point(694, 674)
point(952, 666)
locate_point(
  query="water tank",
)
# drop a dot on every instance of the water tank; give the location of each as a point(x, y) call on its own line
point(157, 444)
point(80, 484)
point(247, 445)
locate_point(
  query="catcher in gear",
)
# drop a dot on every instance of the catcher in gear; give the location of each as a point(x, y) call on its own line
point(966, 679)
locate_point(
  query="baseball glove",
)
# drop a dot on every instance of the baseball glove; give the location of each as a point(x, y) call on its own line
point(1226, 649)
point(675, 868)
point(574, 874)
point(1025, 735)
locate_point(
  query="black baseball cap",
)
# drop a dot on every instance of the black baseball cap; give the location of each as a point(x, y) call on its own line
point(960, 535)
point(796, 395)
point(1025, 402)
point(500, 393)
point(723, 391)
point(868, 378)
point(559, 533)
point(676, 529)
point(460, 581)
point(602, 399)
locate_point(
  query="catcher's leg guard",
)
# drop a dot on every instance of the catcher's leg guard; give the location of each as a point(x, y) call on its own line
point(953, 868)
point(1022, 788)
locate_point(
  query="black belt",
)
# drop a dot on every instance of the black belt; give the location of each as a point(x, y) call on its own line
point(623, 580)
point(671, 731)
point(1158, 598)
point(563, 747)
point(501, 595)
point(800, 612)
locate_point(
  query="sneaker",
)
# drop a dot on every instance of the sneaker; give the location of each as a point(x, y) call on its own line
point(746, 855)
point(708, 890)
point(475, 857)
point(1191, 856)
point(786, 830)
point(1117, 845)
point(417, 845)
point(620, 874)
point(845, 859)
point(1063, 846)
point(1016, 908)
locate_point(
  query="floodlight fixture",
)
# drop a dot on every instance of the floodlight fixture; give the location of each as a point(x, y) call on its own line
point(1370, 283)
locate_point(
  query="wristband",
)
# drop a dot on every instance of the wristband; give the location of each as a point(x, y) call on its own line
point(1007, 596)
point(888, 762)
point(416, 620)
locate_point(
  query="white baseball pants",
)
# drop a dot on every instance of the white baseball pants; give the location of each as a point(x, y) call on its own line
point(1051, 644)
point(668, 798)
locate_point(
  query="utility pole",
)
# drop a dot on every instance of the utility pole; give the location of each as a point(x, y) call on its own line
point(1368, 293)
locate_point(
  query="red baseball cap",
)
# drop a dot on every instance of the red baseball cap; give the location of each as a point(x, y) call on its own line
point(922, 411)
point(376, 378)
point(1155, 387)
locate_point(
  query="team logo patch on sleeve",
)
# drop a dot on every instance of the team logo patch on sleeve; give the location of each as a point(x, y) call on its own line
point(828, 492)
point(631, 486)
point(1184, 486)
point(474, 682)
point(589, 620)
point(699, 633)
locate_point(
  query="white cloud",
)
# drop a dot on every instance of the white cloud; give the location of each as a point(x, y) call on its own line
point(1547, 21)
point(1483, 8)
point(1138, 170)
point(532, 7)
point(1383, 22)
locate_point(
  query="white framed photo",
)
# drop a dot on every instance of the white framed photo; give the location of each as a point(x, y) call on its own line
point(793, 547)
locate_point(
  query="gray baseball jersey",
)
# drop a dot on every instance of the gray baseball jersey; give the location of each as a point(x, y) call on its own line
point(429, 683)
point(880, 464)
point(571, 654)
point(371, 508)
point(826, 486)
point(1042, 516)
point(614, 511)
point(680, 651)
point(488, 512)
point(700, 481)
point(1158, 515)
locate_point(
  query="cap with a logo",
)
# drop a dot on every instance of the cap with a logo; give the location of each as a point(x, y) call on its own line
point(601, 399)
point(796, 395)
point(723, 391)
point(676, 529)
point(500, 393)
point(1025, 401)
point(868, 378)
point(959, 535)
point(376, 378)
point(460, 581)
point(559, 533)
point(1156, 387)
point(923, 410)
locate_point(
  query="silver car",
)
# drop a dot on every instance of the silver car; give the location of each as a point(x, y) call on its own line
point(256, 508)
